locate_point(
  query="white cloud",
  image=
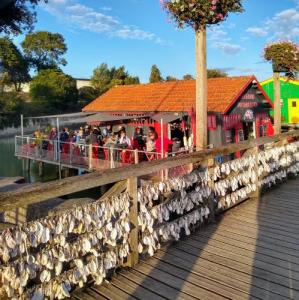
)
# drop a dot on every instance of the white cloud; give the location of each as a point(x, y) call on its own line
point(217, 33)
point(228, 48)
point(106, 8)
point(219, 38)
point(257, 31)
point(284, 25)
point(80, 16)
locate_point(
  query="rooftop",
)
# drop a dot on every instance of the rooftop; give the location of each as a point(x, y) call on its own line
point(175, 96)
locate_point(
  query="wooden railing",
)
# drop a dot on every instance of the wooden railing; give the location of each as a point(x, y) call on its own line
point(88, 241)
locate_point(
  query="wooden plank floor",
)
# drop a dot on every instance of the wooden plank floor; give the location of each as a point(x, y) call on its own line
point(251, 252)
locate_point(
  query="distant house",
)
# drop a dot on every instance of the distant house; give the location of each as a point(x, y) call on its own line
point(80, 82)
point(289, 97)
point(238, 107)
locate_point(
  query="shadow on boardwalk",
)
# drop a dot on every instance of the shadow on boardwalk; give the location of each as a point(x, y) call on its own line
point(251, 252)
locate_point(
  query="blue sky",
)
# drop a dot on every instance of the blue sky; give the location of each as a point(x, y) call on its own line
point(137, 34)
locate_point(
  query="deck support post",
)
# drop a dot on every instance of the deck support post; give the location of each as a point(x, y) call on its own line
point(40, 168)
point(133, 239)
point(201, 89)
point(277, 106)
point(210, 163)
point(28, 161)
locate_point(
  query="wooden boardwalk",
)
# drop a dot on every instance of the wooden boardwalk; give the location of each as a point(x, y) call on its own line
point(251, 252)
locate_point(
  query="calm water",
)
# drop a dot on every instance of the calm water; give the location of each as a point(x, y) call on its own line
point(10, 166)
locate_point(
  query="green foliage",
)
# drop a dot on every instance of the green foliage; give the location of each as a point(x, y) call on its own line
point(155, 75)
point(188, 77)
point(86, 94)
point(11, 106)
point(215, 73)
point(171, 78)
point(14, 67)
point(56, 91)
point(199, 13)
point(44, 49)
point(284, 57)
point(104, 78)
point(17, 16)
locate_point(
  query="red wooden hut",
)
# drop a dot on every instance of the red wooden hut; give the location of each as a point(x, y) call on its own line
point(238, 107)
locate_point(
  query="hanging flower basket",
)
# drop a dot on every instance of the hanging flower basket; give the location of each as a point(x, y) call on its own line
point(199, 13)
point(284, 56)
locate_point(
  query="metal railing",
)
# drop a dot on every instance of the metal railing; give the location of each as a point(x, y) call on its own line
point(83, 155)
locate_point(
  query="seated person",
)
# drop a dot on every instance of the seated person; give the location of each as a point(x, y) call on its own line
point(151, 142)
point(124, 141)
point(138, 139)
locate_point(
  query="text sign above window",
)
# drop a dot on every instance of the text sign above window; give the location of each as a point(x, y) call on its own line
point(247, 104)
point(248, 97)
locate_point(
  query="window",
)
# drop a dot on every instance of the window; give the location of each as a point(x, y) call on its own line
point(294, 104)
point(262, 130)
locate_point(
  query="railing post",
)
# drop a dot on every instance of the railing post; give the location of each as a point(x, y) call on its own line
point(166, 170)
point(210, 165)
point(27, 147)
point(111, 159)
point(71, 150)
point(133, 239)
point(90, 156)
point(136, 156)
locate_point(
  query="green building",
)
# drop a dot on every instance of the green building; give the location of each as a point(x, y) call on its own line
point(289, 98)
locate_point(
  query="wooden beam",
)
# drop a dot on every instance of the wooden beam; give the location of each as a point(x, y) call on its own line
point(277, 105)
point(201, 89)
point(115, 190)
point(43, 191)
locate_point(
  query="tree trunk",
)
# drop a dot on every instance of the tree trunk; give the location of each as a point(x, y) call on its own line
point(201, 89)
point(277, 105)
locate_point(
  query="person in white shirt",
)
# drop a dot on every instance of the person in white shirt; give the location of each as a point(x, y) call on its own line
point(124, 141)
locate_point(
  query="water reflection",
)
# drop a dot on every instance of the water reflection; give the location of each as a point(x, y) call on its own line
point(10, 166)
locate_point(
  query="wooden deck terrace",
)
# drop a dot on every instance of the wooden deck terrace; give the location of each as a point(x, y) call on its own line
point(250, 252)
point(244, 249)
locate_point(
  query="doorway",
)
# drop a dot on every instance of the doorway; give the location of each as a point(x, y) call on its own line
point(293, 105)
point(249, 132)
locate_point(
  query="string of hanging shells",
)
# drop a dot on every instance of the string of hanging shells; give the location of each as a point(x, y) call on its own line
point(59, 252)
point(47, 258)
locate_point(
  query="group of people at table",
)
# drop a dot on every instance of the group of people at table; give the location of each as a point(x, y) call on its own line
point(107, 143)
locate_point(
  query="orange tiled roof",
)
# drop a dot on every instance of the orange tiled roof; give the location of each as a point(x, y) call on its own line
point(175, 96)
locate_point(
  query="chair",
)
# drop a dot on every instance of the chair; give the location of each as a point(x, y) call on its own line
point(126, 157)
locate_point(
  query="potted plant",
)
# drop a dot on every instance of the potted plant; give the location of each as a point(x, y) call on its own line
point(199, 14)
point(284, 56)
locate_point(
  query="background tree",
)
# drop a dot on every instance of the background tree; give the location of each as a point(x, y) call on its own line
point(11, 106)
point(104, 78)
point(155, 75)
point(215, 73)
point(17, 16)
point(101, 78)
point(55, 91)
point(44, 49)
point(188, 77)
point(199, 14)
point(171, 78)
point(14, 67)
point(284, 57)
point(86, 94)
